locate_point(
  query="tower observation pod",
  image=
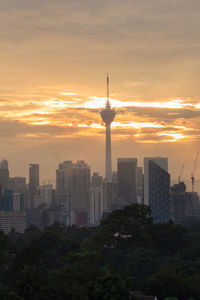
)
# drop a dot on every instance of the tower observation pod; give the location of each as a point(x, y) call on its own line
point(108, 114)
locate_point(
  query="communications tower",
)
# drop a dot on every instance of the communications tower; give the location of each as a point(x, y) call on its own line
point(108, 115)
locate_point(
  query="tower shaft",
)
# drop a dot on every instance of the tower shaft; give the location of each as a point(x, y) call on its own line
point(108, 115)
point(108, 166)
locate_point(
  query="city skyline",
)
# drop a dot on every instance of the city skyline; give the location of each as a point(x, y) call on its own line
point(54, 58)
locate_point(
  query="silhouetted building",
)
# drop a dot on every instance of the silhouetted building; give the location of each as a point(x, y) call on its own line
point(53, 215)
point(17, 184)
point(140, 185)
point(46, 191)
point(63, 179)
point(96, 179)
point(184, 204)
point(108, 193)
point(13, 220)
point(4, 174)
point(10, 201)
point(157, 188)
point(36, 217)
point(72, 186)
point(80, 186)
point(94, 205)
point(18, 202)
point(118, 203)
point(127, 179)
point(37, 201)
point(79, 218)
point(33, 180)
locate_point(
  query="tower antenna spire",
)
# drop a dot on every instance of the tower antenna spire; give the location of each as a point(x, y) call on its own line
point(108, 96)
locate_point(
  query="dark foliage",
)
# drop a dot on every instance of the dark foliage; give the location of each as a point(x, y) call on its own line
point(126, 252)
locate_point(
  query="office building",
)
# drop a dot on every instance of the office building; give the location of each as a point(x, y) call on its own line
point(13, 220)
point(36, 217)
point(4, 174)
point(108, 194)
point(18, 202)
point(127, 179)
point(80, 186)
point(140, 185)
point(17, 184)
point(63, 177)
point(33, 180)
point(53, 215)
point(157, 188)
point(96, 180)
point(94, 205)
point(184, 204)
point(72, 187)
point(46, 191)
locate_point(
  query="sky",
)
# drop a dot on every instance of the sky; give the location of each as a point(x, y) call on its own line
point(54, 57)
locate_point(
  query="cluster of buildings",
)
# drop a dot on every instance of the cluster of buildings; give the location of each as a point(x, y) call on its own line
point(82, 199)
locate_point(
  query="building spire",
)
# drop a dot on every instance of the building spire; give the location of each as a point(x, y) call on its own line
point(108, 96)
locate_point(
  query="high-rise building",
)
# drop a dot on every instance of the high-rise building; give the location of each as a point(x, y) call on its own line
point(127, 179)
point(157, 188)
point(140, 185)
point(96, 180)
point(184, 204)
point(17, 184)
point(33, 180)
point(64, 185)
point(80, 186)
point(63, 178)
point(108, 192)
point(4, 173)
point(46, 191)
point(108, 116)
point(94, 205)
point(72, 186)
point(13, 219)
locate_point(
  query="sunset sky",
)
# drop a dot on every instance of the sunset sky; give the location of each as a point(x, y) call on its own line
point(54, 57)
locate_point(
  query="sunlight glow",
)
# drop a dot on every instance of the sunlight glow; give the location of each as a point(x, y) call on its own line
point(68, 94)
point(99, 102)
point(136, 125)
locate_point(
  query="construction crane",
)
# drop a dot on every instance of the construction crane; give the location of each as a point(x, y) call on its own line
point(193, 172)
point(179, 178)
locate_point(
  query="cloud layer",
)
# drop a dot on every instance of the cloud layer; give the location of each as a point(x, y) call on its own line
point(54, 56)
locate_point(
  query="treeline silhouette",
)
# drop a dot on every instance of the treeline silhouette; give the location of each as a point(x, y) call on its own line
point(125, 253)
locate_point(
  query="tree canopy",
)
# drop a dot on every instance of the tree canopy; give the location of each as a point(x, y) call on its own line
point(125, 253)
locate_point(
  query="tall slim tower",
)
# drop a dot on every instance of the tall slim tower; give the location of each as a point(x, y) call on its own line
point(108, 116)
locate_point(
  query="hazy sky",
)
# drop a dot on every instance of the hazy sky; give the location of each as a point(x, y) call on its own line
point(54, 56)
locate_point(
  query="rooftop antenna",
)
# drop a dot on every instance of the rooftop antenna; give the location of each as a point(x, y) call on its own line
point(108, 98)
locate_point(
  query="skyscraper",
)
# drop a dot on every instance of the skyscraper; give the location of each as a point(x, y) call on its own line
point(127, 179)
point(4, 173)
point(72, 187)
point(108, 116)
point(140, 185)
point(80, 186)
point(157, 188)
point(33, 180)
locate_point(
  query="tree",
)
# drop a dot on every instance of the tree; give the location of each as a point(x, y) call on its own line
point(110, 286)
point(170, 281)
point(125, 225)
